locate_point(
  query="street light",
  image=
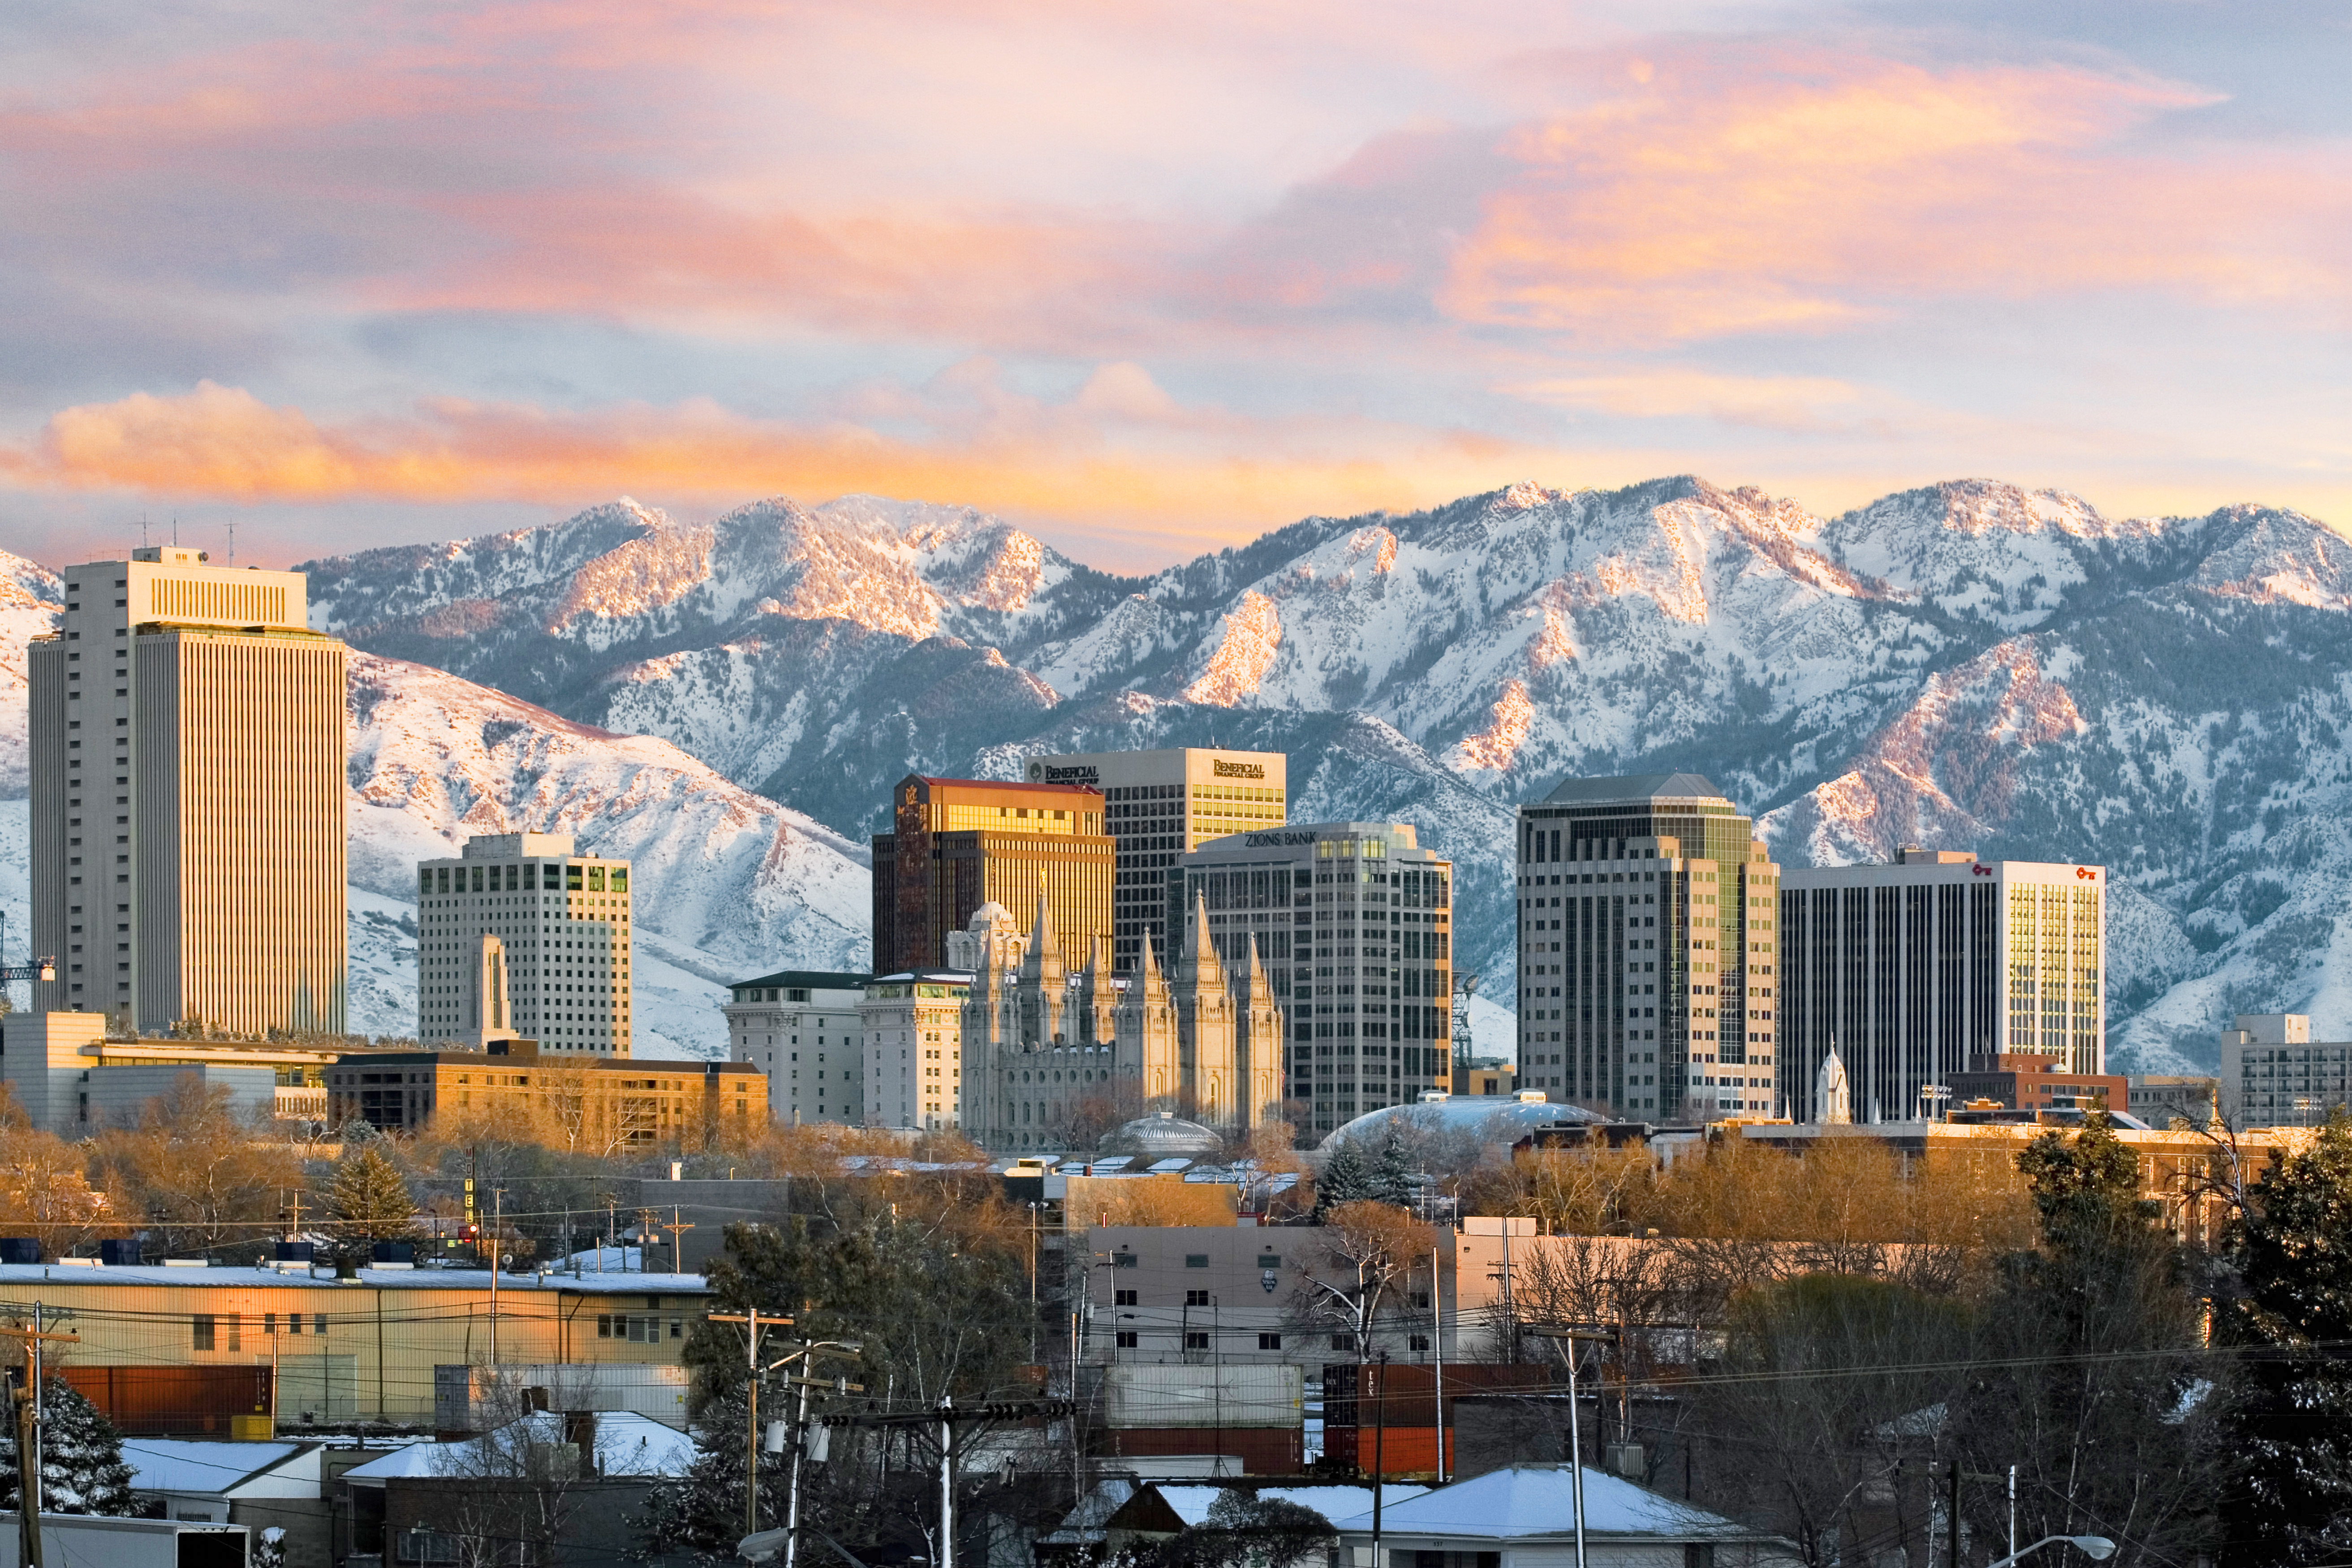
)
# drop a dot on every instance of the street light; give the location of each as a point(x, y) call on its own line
point(2097, 1548)
point(1575, 1429)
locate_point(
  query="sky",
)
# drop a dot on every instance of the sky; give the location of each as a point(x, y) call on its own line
point(1153, 278)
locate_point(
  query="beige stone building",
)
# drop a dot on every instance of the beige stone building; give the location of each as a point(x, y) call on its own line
point(187, 799)
point(800, 1027)
point(909, 1023)
point(519, 934)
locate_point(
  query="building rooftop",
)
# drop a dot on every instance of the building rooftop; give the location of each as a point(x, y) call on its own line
point(1634, 789)
point(1507, 1117)
point(1537, 1502)
point(1164, 1136)
point(808, 980)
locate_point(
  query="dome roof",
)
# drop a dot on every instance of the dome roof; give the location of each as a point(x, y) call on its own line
point(991, 916)
point(1500, 1118)
point(1164, 1137)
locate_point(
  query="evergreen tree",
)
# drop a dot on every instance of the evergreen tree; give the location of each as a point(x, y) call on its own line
point(1390, 1180)
point(1342, 1179)
point(81, 1459)
point(369, 1199)
point(701, 1512)
point(2294, 1417)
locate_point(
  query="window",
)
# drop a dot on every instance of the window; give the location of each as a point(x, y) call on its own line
point(318, 1323)
point(1196, 1339)
point(1123, 1298)
point(1125, 1338)
point(1196, 1261)
point(1269, 1260)
point(604, 1325)
point(1343, 1341)
point(1122, 1261)
point(1196, 1297)
point(1417, 1342)
point(1269, 1342)
point(428, 1546)
point(204, 1336)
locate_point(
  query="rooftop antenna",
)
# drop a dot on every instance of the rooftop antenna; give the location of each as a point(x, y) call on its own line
point(232, 541)
point(142, 530)
point(175, 534)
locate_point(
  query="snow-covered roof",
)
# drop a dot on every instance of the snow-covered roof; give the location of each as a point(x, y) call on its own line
point(1504, 1117)
point(177, 1465)
point(1192, 1503)
point(628, 1444)
point(1533, 1501)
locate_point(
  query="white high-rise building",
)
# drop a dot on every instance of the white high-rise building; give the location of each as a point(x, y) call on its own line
point(187, 799)
point(800, 1027)
point(1919, 968)
point(561, 925)
point(1158, 806)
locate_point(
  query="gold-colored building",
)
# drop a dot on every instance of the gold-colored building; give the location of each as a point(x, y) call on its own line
point(335, 1348)
point(962, 843)
point(594, 1103)
point(187, 799)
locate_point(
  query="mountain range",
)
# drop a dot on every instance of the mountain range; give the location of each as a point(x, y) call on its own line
point(1971, 666)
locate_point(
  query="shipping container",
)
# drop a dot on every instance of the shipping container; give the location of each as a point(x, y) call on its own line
point(1258, 1394)
point(479, 1398)
point(172, 1401)
point(1262, 1450)
point(82, 1541)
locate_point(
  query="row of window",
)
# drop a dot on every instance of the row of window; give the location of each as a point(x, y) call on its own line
point(225, 1330)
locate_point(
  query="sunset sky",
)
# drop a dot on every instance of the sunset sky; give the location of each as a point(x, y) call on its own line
point(1151, 278)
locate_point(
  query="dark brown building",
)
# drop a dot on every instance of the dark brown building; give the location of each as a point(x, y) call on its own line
point(962, 843)
point(2032, 1081)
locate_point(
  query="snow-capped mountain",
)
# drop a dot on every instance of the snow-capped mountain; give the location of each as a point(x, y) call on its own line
point(1970, 664)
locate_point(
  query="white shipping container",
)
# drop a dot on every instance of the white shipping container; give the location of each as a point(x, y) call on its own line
point(1255, 1395)
point(480, 1398)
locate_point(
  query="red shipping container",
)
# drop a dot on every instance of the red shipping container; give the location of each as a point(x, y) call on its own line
point(1262, 1450)
point(172, 1401)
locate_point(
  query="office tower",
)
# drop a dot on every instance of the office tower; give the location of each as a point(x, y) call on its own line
point(187, 799)
point(958, 843)
point(1159, 804)
point(1937, 964)
point(800, 1027)
point(561, 920)
point(1646, 914)
point(1353, 923)
point(2274, 1074)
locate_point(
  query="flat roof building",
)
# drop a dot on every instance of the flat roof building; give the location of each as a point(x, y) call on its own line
point(600, 1105)
point(187, 788)
point(2274, 1074)
point(521, 935)
point(957, 844)
point(1918, 968)
point(1646, 908)
point(911, 1023)
point(799, 1028)
point(1157, 805)
point(1353, 922)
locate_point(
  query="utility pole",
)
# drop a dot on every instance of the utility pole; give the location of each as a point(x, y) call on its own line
point(807, 1356)
point(676, 1240)
point(1575, 1421)
point(1437, 1343)
point(294, 1217)
point(497, 1217)
point(28, 1437)
point(752, 1321)
point(1380, 1447)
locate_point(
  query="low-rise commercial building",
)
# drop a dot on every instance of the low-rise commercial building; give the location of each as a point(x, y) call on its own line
point(602, 1104)
point(2160, 1098)
point(2036, 1080)
point(72, 1080)
point(788, 1025)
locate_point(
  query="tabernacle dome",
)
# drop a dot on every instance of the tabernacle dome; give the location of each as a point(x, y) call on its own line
point(1164, 1137)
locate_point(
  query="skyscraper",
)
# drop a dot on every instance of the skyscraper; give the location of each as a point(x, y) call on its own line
point(187, 799)
point(1937, 964)
point(525, 913)
point(1354, 924)
point(958, 843)
point(1646, 909)
point(1159, 804)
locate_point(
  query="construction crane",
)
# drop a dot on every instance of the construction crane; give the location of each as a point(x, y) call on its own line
point(39, 969)
point(1464, 987)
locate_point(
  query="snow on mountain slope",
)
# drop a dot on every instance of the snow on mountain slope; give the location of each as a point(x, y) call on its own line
point(1970, 663)
point(725, 883)
point(30, 595)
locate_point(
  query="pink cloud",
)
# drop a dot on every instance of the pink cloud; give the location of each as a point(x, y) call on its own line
point(1704, 196)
